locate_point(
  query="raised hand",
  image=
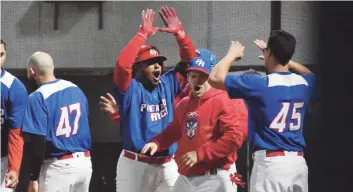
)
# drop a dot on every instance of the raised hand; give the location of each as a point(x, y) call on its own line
point(262, 45)
point(236, 50)
point(146, 28)
point(108, 104)
point(171, 20)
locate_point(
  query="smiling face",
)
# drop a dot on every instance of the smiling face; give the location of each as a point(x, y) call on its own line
point(198, 83)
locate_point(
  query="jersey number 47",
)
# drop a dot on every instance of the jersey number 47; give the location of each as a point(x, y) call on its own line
point(280, 121)
point(64, 127)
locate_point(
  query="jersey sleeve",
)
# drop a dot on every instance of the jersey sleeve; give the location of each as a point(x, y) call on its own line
point(18, 103)
point(35, 117)
point(311, 79)
point(244, 85)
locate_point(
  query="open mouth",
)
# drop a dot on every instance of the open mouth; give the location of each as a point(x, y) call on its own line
point(197, 88)
point(156, 74)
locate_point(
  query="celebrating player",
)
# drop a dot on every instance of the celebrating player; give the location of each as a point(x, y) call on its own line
point(108, 103)
point(56, 124)
point(146, 104)
point(209, 131)
point(277, 105)
point(14, 98)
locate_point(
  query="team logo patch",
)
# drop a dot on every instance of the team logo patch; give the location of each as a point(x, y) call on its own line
point(200, 62)
point(191, 126)
point(153, 52)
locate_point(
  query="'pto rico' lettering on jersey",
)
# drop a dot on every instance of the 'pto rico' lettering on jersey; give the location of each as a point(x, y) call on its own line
point(145, 114)
point(157, 112)
point(277, 105)
point(14, 98)
point(59, 111)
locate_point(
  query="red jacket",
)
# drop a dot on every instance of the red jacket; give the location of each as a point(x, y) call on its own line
point(208, 125)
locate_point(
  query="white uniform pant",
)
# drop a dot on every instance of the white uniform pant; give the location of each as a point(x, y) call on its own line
point(136, 176)
point(219, 182)
point(287, 173)
point(67, 175)
point(4, 164)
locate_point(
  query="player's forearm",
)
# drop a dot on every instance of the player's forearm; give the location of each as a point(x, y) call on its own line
point(124, 63)
point(170, 135)
point(229, 143)
point(35, 146)
point(186, 48)
point(297, 67)
point(15, 149)
point(219, 72)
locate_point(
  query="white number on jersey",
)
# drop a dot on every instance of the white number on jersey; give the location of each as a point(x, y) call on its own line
point(64, 127)
point(280, 120)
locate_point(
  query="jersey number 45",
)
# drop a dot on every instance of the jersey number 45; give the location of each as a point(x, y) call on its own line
point(64, 127)
point(280, 121)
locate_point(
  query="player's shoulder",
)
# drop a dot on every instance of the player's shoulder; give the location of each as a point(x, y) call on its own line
point(249, 77)
point(11, 81)
point(183, 102)
point(289, 79)
point(48, 89)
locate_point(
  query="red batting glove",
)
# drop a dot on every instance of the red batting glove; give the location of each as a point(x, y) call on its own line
point(172, 21)
point(146, 28)
point(236, 178)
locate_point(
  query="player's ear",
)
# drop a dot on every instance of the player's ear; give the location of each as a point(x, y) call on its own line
point(32, 72)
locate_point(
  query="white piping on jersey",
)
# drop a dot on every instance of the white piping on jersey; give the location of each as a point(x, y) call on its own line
point(52, 88)
point(286, 80)
point(7, 79)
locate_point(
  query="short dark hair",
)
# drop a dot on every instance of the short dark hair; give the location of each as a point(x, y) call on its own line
point(282, 45)
point(3, 43)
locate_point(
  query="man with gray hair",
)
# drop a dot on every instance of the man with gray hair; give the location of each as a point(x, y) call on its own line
point(56, 131)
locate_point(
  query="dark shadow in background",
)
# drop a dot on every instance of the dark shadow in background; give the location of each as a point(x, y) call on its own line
point(336, 50)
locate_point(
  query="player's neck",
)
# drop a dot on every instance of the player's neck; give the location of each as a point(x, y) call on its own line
point(45, 79)
point(279, 68)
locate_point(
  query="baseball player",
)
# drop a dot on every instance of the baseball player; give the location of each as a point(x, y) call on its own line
point(14, 98)
point(146, 104)
point(277, 104)
point(108, 103)
point(56, 127)
point(209, 132)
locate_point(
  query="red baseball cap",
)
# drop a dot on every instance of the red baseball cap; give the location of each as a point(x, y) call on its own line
point(149, 52)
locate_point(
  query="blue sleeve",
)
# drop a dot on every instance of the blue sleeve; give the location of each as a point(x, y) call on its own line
point(18, 102)
point(311, 79)
point(35, 117)
point(123, 99)
point(171, 79)
point(244, 85)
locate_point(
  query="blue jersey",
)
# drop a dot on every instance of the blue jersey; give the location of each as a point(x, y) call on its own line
point(277, 104)
point(59, 111)
point(145, 114)
point(14, 98)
